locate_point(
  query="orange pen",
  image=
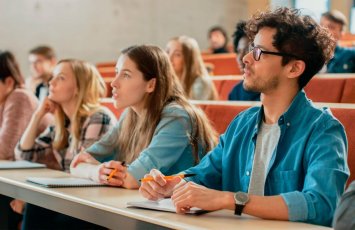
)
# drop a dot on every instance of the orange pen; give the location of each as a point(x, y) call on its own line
point(168, 177)
point(114, 171)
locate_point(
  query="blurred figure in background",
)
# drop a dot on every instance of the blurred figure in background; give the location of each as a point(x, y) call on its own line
point(241, 47)
point(218, 40)
point(42, 62)
point(344, 58)
point(17, 105)
point(185, 56)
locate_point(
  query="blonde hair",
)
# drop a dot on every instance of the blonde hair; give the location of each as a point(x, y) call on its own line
point(91, 87)
point(194, 66)
point(153, 62)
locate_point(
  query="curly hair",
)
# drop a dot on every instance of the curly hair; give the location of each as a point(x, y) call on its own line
point(239, 33)
point(298, 35)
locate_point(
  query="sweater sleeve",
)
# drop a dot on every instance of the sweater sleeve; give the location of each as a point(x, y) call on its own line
point(16, 115)
point(169, 143)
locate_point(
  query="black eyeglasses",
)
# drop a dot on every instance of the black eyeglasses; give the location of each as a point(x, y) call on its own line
point(257, 53)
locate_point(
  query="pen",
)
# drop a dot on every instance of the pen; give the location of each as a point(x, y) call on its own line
point(168, 177)
point(114, 171)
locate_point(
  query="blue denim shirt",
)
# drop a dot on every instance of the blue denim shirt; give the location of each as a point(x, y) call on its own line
point(308, 168)
point(343, 61)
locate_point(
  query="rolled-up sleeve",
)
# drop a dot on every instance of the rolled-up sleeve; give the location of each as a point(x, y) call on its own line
point(326, 167)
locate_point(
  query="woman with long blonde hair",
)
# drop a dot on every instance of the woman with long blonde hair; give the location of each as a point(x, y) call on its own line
point(185, 56)
point(159, 128)
point(80, 120)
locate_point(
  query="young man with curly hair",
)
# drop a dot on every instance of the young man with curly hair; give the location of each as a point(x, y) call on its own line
point(285, 160)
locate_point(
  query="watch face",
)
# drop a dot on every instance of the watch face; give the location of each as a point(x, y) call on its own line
point(241, 197)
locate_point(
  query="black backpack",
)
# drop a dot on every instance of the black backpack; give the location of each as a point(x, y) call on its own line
point(344, 217)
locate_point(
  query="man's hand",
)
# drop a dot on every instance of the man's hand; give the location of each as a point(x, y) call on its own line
point(158, 188)
point(194, 195)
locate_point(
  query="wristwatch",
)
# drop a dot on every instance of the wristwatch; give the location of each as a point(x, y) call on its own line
point(241, 199)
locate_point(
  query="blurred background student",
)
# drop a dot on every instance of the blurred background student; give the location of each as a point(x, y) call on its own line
point(241, 45)
point(343, 60)
point(17, 104)
point(42, 61)
point(185, 56)
point(218, 41)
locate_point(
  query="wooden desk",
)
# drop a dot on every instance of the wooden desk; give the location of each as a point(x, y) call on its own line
point(107, 206)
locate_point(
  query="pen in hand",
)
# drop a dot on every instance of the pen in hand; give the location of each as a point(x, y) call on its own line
point(168, 177)
point(114, 171)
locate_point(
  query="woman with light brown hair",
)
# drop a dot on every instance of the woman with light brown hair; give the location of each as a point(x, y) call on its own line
point(159, 128)
point(186, 59)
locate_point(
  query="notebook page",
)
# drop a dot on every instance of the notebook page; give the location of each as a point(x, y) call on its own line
point(161, 205)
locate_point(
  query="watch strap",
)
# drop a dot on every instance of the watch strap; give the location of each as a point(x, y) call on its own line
point(238, 209)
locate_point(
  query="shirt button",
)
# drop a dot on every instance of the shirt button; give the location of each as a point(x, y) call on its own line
point(288, 124)
point(247, 173)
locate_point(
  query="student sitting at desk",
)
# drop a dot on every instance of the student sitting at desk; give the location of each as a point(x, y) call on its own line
point(286, 160)
point(16, 107)
point(80, 120)
point(159, 129)
point(186, 59)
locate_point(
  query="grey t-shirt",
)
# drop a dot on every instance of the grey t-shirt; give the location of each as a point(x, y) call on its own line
point(266, 142)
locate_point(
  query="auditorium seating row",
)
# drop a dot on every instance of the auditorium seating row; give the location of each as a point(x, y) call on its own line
point(218, 64)
point(221, 113)
point(330, 88)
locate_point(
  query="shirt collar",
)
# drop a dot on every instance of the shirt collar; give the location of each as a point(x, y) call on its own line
point(291, 115)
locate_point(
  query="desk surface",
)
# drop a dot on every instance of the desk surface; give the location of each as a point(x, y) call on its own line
point(106, 206)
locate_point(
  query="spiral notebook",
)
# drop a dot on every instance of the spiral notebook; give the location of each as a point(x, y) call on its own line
point(165, 205)
point(63, 182)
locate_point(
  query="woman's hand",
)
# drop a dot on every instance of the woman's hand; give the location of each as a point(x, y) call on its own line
point(112, 173)
point(47, 106)
point(83, 157)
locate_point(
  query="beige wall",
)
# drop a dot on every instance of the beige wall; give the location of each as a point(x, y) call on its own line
point(344, 6)
point(257, 5)
point(97, 30)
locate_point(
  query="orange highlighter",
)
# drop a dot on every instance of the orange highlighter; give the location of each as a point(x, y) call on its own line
point(168, 177)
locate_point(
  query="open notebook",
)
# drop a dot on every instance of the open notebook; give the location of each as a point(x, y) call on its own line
point(20, 165)
point(63, 182)
point(165, 205)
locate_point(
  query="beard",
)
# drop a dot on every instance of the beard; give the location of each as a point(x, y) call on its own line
point(261, 85)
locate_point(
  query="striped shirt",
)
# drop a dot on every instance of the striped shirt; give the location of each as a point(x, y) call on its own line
point(93, 128)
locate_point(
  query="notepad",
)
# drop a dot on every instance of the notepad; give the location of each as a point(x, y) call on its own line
point(20, 165)
point(63, 182)
point(165, 205)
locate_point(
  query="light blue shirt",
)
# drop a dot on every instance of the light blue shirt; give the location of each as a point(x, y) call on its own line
point(169, 151)
point(308, 167)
